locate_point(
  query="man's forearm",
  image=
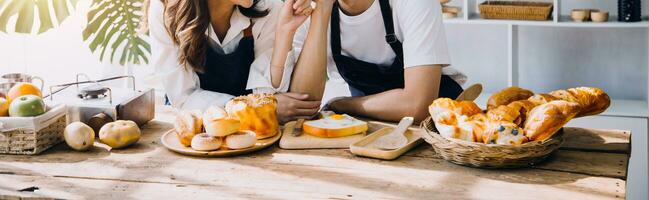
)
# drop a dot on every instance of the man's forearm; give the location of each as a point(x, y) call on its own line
point(391, 105)
point(309, 75)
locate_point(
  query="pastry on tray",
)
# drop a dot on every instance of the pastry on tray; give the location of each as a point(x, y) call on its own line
point(245, 120)
point(334, 125)
point(187, 125)
point(257, 113)
point(515, 115)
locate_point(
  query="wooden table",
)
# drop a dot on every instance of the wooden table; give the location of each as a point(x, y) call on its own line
point(592, 165)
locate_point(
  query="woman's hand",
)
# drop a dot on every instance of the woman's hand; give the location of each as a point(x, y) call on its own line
point(293, 14)
point(293, 106)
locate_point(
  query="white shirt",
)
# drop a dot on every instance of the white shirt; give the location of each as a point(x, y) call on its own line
point(417, 23)
point(182, 85)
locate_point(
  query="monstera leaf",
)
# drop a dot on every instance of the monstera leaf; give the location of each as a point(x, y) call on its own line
point(115, 24)
point(25, 10)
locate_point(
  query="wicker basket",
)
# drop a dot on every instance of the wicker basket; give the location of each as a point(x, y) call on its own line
point(481, 155)
point(519, 10)
point(32, 135)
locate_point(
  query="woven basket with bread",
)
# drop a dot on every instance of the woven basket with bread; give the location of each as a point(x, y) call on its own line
point(519, 128)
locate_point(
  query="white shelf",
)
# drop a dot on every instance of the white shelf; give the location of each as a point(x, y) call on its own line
point(564, 21)
point(618, 108)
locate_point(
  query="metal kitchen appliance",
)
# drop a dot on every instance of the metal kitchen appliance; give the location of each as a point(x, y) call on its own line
point(92, 101)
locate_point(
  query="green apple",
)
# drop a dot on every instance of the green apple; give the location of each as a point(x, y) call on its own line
point(27, 106)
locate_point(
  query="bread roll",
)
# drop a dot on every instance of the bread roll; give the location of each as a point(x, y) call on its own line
point(441, 105)
point(241, 140)
point(539, 99)
point(187, 125)
point(218, 123)
point(591, 100)
point(478, 123)
point(452, 125)
point(256, 112)
point(504, 133)
point(205, 142)
point(507, 96)
point(545, 120)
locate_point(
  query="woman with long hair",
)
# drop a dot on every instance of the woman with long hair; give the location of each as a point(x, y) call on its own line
point(208, 51)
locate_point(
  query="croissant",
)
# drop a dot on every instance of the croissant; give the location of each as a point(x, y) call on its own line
point(515, 112)
point(539, 99)
point(592, 100)
point(545, 120)
point(507, 96)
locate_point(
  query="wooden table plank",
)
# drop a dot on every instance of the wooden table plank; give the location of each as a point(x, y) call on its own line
point(615, 141)
point(331, 172)
point(148, 170)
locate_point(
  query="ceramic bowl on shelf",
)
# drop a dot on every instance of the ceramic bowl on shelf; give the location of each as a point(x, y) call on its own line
point(580, 15)
point(599, 16)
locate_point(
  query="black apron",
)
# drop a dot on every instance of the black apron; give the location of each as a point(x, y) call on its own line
point(371, 78)
point(229, 73)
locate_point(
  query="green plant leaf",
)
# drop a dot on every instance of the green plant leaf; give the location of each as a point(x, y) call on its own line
point(25, 10)
point(115, 25)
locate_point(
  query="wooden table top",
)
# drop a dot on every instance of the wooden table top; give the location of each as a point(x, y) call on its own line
point(592, 164)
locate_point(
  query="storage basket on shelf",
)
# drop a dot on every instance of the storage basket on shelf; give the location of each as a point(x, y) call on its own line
point(482, 155)
point(32, 135)
point(518, 10)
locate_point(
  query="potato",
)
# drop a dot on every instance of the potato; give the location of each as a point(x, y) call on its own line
point(79, 136)
point(119, 134)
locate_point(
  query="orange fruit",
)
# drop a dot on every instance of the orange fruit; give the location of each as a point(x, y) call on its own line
point(22, 89)
point(4, 107)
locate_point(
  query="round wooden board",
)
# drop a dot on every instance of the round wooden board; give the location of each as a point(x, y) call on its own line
point(170, 141)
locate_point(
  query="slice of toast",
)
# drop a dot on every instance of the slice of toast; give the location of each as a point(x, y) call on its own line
point(334, 126)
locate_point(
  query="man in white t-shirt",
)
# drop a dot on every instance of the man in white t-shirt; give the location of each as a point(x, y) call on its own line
point(391, 53)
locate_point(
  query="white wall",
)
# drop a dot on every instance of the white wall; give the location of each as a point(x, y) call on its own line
point(616, 60)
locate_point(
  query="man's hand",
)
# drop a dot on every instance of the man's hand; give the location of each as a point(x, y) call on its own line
point(293, 106)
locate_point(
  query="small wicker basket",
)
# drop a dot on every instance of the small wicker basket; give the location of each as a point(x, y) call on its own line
point(32, 135)
point(517, 10)
point(481, 155)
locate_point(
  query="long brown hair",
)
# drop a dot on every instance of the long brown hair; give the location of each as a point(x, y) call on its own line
point(186, 22)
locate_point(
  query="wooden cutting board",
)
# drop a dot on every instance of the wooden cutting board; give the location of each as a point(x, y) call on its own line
point(306, 141)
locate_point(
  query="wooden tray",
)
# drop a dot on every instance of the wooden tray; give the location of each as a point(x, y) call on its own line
point(306, 141)
point(365, 148)
point(170, 141)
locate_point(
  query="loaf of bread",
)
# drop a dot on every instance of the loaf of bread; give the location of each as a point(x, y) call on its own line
point(219, 123)
point(187, 125)
point(591, 100)
point(256, 112)
point(507, 96)
point(515, 112)
point(440, 105)
point(335, 125)
point(539, 99)
point(504, 133)
point(545, 120)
